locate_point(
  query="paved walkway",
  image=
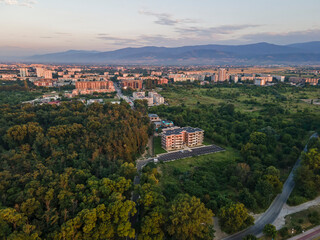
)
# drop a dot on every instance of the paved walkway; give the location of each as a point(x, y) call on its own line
point(313, 233)
point(287, 210)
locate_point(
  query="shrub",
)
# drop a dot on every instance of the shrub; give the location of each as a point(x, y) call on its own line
point(314, 218)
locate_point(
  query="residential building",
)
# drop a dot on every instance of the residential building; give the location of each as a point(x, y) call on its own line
point(48, 74)
point(137, 95)
point(44, 83)
point(91, 101)
point(179, 138)
point(260, 82)
point(154, 118)
point(134, 84)
point(89, 87)
point(162, 81)
point(312, 81)
point(40, 72)
point(24, 72)
point(157, 98)
point(222, 75)
point(167, 123)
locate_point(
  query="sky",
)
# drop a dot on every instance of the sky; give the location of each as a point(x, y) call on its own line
point(42, 26)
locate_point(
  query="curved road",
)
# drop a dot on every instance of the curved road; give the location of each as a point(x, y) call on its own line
point(273, 211)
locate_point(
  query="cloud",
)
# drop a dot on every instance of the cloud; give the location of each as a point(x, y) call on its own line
point(212, 35)
point(23, 3)
point(117, 40)
point(166, 19)
point(149, 40)
point(283, 37)
point(63, 33)
point(214, 31)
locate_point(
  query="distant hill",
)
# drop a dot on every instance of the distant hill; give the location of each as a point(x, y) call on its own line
point(259, 53)
point(311, 47)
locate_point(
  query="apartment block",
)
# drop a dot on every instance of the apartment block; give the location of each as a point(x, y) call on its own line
point(157, 98)
point(24, 72)
point(89, 87)
point(134, 84)
point(44, 83)
point(179, 138)
point(162, 81)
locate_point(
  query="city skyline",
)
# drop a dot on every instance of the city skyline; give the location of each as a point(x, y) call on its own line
point(42, 26)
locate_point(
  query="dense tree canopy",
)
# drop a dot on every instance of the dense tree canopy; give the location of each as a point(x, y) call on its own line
point(66, 172)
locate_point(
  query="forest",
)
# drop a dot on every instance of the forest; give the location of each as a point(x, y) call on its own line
point(63, 172)
point(266, 143)
point(66, 172)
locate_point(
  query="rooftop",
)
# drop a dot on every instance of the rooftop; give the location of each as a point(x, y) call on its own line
point(153, 115)
point(178, 131)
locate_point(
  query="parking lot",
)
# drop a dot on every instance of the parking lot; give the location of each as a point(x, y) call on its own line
point(189, 153)
point(167, 157)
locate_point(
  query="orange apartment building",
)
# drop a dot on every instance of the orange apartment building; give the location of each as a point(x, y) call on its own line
point(134, 84)
point(179, 138)
point(44, 83)
point(162, 81)
point(312, 81)
point(89, 87)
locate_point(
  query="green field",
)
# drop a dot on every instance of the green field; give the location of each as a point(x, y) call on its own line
point(157, 146)
point(245, 100)
point(173, 172)
point(191, 163)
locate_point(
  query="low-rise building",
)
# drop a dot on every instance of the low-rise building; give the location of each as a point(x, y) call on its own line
point(44, 83)
point(167, 123)
point(259, 82)
point(162, 81)
point(157, 98)
point(154, 118)
point(91, 101)
point(179, 138)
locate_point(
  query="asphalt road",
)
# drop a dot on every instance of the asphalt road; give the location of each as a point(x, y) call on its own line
point(120, 95)
point(272, 213)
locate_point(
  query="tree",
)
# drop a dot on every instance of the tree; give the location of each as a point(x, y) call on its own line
point(270, 231)
point(258, 138)
point(152, 225)
point(189, 219)
point(235, 217)
point(250, 237)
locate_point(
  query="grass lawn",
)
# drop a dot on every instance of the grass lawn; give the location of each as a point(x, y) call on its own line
point(243, 101)
point(189, 163)
point(109, 100)
point(172, 172)
point(157, 146)
point(184, 165)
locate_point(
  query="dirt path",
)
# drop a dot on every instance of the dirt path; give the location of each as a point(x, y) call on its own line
point(287, 210)
point(218, 233)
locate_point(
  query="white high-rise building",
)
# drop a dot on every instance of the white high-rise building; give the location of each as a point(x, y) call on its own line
point(24, 72)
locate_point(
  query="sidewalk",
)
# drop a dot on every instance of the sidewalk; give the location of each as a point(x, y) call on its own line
point(308, 235)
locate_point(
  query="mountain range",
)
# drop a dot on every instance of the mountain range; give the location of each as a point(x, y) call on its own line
point(259, 53)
